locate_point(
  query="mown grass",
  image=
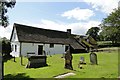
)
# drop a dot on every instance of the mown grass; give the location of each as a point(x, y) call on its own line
point(107, 67)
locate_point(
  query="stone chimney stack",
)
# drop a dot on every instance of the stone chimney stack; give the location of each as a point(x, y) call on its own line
point(69, 31)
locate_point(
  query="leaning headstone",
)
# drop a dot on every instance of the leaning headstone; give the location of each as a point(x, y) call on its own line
point(93, 58)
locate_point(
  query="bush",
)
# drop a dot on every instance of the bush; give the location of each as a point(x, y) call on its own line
point(6, 48)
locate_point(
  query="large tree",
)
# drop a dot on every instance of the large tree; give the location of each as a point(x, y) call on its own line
point(111, 26)
point(4, 5)
point(93, 32)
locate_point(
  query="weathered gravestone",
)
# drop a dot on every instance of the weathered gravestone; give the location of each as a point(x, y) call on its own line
point(36, 61)
point(82, 61)
point(68, 59)
point(93, 58)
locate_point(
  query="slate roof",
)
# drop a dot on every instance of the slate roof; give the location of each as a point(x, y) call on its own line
point(39, 35)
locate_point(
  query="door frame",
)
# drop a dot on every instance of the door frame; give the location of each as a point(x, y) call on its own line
point(40, 49)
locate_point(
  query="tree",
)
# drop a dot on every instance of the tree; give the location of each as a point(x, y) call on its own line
point(101, 37)
point(4, 5)
point(111, 26)
point(6, 47)
point(93, 32)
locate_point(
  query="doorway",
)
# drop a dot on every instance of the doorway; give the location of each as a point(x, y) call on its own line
point(40, 49)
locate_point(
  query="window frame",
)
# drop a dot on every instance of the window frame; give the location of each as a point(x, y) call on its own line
point(15, 48)
point(51, 45)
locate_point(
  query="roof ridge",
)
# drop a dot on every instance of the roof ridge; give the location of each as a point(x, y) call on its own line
point(36, 27)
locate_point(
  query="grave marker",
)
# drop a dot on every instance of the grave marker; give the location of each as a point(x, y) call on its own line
point(82, 60)
point(93, 58)
point(68, 59)
point(36, 61)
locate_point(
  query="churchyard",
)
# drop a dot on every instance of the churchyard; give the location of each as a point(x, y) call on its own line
point(107, 67)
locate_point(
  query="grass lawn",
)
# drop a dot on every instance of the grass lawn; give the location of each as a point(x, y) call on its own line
point(107, 67)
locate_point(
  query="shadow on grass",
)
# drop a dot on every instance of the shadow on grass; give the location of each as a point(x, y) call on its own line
point(20, 76)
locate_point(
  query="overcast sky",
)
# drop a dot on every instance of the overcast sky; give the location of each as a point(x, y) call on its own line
point(78, 15)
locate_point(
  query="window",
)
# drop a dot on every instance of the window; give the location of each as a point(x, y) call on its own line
point(51, 45)
point(15, 48)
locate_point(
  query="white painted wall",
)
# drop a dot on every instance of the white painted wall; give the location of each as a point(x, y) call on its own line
point(29, 48)
point(58, 49)
point(15, 53)
point(14, 36)
point(33, 48)
point(14, 41)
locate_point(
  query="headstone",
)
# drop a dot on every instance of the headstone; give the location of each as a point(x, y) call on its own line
point(36, 61)
point(68, 60)
point(93, 58)
point(82, 60)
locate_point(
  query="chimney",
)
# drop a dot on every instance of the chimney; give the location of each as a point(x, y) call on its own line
point(69, 31)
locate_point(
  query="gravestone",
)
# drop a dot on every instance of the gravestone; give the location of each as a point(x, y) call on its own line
point(82, 60)
point(36, 61)
point(68, 59)
point(93, 58)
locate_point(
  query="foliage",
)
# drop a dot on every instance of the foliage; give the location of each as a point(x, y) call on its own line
point(6, 47)
point(93, 32)
point(107, 67)
point(111, 26)
point(4, 5)
point(102, 44)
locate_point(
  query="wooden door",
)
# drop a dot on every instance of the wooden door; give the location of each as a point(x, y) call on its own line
point(40, 49)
